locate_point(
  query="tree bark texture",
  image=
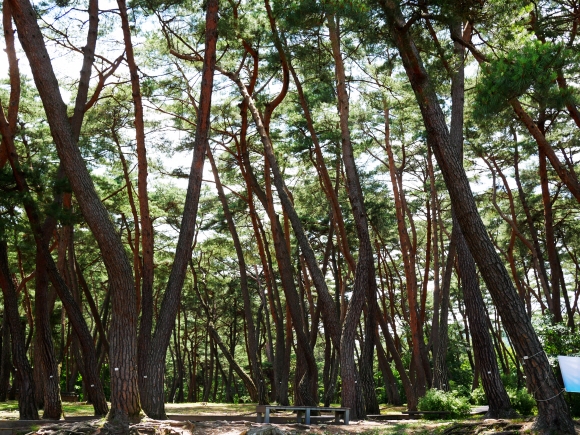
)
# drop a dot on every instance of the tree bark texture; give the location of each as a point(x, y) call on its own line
point(364, 282)
point(123, 356)
point(145, 224)
point(46, 359)
point(5, 360)
point(485, 357)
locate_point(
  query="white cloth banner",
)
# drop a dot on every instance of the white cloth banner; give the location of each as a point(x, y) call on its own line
point(570, 367)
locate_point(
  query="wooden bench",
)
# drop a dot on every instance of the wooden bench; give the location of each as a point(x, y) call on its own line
point(303, 413)
point(69, 396)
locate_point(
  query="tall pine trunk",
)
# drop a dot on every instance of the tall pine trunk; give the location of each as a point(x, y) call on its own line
point(553, 413)
point(154, 371)
point(124, 390)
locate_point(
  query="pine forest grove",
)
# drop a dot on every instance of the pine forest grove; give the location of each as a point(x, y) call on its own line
point(305, 202)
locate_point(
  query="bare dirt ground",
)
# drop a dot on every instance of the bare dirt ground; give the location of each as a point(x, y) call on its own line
point(241, 425)
point(174, 427)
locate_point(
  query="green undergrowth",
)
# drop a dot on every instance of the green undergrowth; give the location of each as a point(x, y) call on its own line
point(9, 409)
point(445, 401)
point(410, 428)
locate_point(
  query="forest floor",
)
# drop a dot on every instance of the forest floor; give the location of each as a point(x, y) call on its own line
point(475, 425)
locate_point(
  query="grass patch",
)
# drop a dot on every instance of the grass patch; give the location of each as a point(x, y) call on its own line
point(391, 409)
point(410, 428)
point(207, 408)
point(9, 410)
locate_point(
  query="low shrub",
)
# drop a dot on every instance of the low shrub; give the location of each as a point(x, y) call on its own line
point(438, 400)
point(478, 396)
point(522, 401)
point(574, 402)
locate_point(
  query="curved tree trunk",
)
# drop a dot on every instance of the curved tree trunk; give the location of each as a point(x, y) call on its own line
point(553, 413)
point(124, 390)
point(253, 349)
point(154, 370)
point(364, 282)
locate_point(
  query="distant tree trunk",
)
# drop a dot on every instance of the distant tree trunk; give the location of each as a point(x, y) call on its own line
point(281, 370)
point(282, 250)
point(555, 306)
point(410, 391)
point(5, 364)
point(26, 402)
point(389, 380)
point(409, 263)
point(329, 316)
point(47, 361)
point(441, 340)
point(364, 283)
point(553, 411)
point(568, 176)
point(538, 257)
point(253, 353)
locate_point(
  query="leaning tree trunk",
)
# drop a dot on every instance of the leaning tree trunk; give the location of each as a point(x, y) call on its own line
point(124, 390)
point(553, 412)
point(364, 282)
point(153, 376)
point(26, 402)
point(253, 348)
point(485, 358)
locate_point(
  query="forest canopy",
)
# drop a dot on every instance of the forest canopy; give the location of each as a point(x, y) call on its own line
point(308, 202)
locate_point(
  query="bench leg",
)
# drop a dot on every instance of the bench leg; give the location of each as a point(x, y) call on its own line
point(267, 416)
point(299, 415)
point(346, 416)
point(337, 415)
point(259, 417)
point(307, 416)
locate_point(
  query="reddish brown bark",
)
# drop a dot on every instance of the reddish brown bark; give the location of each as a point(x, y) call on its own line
point(253, 350)
point(364, 282)
point(409, 265)
point(146, 224)
point(555, 306)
